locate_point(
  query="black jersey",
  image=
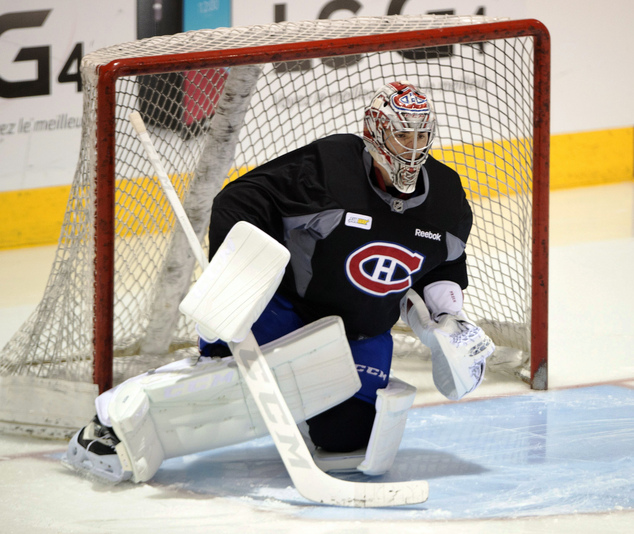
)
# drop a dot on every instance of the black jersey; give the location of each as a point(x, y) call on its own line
point(355, 249)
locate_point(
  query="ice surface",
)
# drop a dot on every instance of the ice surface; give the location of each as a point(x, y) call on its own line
point(507, 460)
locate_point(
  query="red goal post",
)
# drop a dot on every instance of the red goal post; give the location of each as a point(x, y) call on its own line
point(493, 152)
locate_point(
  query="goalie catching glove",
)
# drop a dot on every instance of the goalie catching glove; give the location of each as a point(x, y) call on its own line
point(459, 348)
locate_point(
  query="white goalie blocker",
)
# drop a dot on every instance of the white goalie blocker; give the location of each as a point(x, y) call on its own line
point(239, 282)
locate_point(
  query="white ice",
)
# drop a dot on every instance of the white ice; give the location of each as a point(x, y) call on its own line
point(507, 460)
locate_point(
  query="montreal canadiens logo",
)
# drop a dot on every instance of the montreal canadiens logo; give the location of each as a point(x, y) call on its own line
point(409, 101)
point(381, 268)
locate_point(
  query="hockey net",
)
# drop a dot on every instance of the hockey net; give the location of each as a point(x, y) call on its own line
point(219, 102)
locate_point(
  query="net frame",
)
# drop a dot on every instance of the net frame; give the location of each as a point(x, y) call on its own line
point(103, 70)
point(108, 74)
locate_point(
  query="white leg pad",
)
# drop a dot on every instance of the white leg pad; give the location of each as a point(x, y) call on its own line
point(130, 418)
point(392, 404)
point(179, 409)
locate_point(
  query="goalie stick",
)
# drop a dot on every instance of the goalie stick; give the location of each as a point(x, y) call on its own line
point(309, 480)
point(168, 188)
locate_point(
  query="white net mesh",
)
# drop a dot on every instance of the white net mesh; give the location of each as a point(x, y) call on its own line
point(482, 93)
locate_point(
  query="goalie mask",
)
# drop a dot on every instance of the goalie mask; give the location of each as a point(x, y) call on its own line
point(398, 130)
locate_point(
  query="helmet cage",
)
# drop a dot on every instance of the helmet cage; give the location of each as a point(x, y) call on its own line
point(395, 125)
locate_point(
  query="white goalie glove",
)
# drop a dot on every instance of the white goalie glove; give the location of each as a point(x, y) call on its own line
point(459, 348)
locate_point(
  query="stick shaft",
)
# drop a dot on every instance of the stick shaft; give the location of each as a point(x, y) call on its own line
point(168, 188)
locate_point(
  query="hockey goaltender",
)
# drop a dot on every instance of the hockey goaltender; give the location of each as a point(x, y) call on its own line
point(373, 229)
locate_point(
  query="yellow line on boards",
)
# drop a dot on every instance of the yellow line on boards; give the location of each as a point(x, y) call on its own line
point(34, 217)
point(591, 158)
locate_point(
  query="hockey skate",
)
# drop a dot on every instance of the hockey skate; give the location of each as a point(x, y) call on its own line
point(92, 453)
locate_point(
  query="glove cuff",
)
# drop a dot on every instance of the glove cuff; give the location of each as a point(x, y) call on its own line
point(443, 297)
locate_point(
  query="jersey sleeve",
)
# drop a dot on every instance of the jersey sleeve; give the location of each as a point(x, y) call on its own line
point(454, 268)
point(288, 186)
point(242, 201)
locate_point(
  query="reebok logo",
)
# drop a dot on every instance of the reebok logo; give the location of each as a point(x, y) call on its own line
point(427, 235)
